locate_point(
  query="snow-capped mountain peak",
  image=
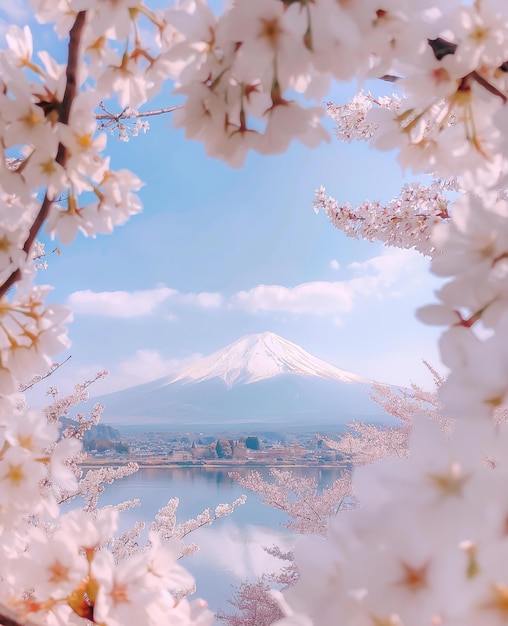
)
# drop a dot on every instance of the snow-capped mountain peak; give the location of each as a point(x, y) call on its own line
point(256, 357)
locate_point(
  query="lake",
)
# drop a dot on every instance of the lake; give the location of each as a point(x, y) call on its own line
point(231, 548)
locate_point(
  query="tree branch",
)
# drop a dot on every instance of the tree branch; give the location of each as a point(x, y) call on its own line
point(130, 114)
point(61, 156)
point(488, 86)
point(39, 379)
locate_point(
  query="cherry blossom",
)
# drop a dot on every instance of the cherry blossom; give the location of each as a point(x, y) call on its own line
point(256, 606)
point(299, 498)
point(428, 544)
point(407, 221)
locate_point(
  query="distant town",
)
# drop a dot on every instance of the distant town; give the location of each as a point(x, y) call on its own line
point(105, 445)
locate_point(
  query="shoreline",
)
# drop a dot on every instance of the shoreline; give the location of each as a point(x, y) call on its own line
point(220, 465)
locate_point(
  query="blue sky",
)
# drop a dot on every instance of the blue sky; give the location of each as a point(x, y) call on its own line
point(219, 253)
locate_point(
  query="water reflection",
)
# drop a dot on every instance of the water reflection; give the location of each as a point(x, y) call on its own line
point(230, 549)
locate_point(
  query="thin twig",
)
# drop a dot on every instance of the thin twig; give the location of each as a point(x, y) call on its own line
point(489, 86)
point(53, 369)
point(389, 78)
point(126, 114)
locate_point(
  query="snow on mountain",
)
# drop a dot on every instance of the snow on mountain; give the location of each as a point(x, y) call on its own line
point(256, 357)
point(259, 378)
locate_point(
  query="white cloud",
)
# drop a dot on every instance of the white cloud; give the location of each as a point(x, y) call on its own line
point(204, 300)
point(334, 264)
point(239, 550)
point(128, 304)
point(390, 265)
point(145, 365)
point(378, 277)
point(393, 274)
point(141, 367)
point(123, 304)
point(318, 298)
point(396, 273)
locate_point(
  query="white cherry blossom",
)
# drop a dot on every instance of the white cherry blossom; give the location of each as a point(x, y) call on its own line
point(53, 566)
point(429, 545)
point(20, 45)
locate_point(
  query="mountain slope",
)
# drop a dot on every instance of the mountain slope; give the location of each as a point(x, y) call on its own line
point(257, 357)
point(256, 379)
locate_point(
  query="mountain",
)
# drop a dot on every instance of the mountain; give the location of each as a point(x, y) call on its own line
point(98, 431)
point(102, 431)
point(257, 357)
point(257, 379)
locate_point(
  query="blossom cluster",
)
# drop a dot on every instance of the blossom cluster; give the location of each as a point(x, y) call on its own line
point(30, 453)
point(407, 221)
point(473, 304)
point(427, 545)
point(72, 568)
point(351, 123)
point(76, 580)
point(244, 70)
point(255, 604)
point(166, 527)
point(54, 175)
point(299, 497)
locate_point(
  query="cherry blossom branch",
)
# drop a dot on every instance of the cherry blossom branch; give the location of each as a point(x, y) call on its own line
point(118, 121)
point(299, 498)
point(38, 379)
point(60, 406)
point(64, 114)
point(36, 226)
point(129, 113)
point(166, 527)
point(406, 221)
point(488, 86)
point(255, 604)
point(441, 48)
point(71, 76)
